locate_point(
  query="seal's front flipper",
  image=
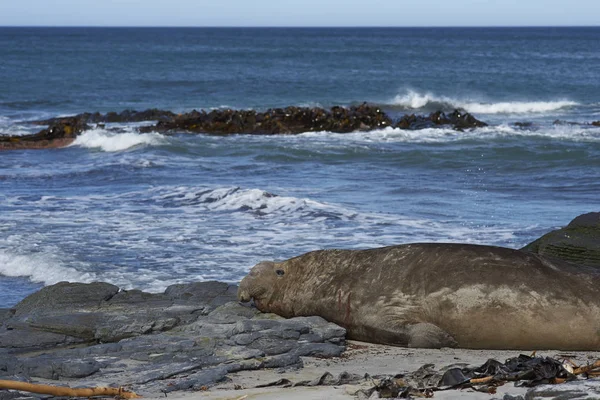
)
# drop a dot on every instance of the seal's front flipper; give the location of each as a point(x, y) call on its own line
point(430, 336)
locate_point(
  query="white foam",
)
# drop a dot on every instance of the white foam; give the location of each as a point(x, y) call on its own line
point(111, 141)
point(390, 135)
point(41, 268)
point(575, 133)
point(416, 100)
point(13, 128)
point(256, 200)
point(517, 107)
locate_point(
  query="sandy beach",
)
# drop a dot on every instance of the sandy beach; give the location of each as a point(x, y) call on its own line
point(365, 358)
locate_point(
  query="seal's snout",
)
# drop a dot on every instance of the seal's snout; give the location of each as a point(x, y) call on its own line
point(255, 284)
point(243, 296)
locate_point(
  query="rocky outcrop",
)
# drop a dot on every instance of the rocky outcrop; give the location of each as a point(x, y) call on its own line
point(190, 336)
point(458, 120)
point(596, 123)
point(290, 120)
point(60, 133)
point(578, 242)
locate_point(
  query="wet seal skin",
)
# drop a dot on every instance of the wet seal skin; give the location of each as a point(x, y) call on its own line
point(437, 295)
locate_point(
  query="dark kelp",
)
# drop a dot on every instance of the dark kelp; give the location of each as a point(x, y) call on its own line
point(524, 371)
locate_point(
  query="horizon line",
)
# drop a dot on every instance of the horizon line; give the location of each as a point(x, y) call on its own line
point(300, 26)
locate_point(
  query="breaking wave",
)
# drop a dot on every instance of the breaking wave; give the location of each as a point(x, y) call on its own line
point(40, 268)
point(413, 100)
point(113, 141)
point(303, 213)
point(572, 133)
point(256, 201)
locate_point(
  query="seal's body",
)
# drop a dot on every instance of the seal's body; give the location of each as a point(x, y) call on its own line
point(437, 295)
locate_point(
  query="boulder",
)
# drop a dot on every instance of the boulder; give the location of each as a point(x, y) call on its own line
point(578, 242)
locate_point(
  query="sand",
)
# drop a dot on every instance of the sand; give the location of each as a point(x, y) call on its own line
point(361, 358)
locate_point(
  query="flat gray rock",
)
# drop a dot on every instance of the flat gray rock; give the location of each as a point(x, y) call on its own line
point(185, 338)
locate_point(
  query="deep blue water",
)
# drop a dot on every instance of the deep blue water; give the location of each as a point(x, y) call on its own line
point(147, 211)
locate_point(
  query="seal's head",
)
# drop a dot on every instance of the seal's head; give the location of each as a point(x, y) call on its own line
point(266, 285)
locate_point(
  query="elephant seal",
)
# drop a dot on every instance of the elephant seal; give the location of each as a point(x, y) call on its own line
point(437, 295)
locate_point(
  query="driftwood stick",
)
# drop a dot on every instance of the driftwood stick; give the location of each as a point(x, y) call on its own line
point(587, 368)
point(66, 391)
point(479, 381)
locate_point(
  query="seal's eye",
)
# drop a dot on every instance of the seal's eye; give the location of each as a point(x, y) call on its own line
point(280, 272)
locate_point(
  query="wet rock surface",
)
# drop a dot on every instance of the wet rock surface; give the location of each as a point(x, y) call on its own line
point(457, 120)
point(578, 242)
point(60, 132)
point(190, 336)
point(289, 120)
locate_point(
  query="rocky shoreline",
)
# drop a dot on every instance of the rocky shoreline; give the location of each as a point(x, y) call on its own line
point(195, 336)
point(187, 337)
point(278, 121)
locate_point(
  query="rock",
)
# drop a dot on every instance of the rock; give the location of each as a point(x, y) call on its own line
point(524, 125)
point(213, 294)
point(289, 120)
point(16, 337)
point(187, 337)
point(596, 123)
point(6, 313)
point(66, 296)
point(68, 313)
point(578, 242)
point(196, 381)
point(6, 395)
point(457, 120)
point(60, 133)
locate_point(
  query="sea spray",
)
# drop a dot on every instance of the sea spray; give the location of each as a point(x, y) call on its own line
point(414, 100)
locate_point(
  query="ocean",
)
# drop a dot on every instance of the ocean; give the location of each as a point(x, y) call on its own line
point(147, 211)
